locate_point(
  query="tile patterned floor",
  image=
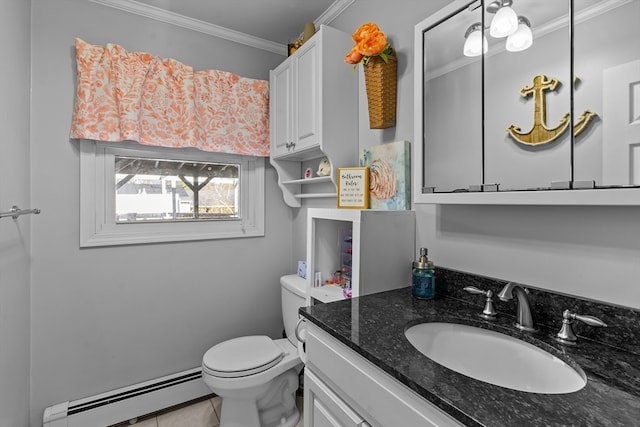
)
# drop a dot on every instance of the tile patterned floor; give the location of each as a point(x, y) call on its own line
point(205, 413)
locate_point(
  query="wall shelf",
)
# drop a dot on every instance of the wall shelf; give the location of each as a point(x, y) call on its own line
point(326, 293)
point(315, 195)
point(304, 181)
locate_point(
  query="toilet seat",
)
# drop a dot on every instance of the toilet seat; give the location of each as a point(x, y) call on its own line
point(242, 356)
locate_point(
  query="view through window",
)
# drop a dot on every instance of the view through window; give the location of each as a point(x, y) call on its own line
point(161, 190)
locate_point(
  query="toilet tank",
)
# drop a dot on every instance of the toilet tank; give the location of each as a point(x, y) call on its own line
point(294, 296)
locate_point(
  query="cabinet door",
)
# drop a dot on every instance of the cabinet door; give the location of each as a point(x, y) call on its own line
point(323, 408)
point(527, 104)
point(307, 96)
point(281, 110)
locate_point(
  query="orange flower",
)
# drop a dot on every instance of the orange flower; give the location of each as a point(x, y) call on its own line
point(373, 44)
point(364, 31)
point(369, 42)
point(353, 57)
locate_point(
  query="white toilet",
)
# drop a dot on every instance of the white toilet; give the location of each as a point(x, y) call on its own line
point(256, 376)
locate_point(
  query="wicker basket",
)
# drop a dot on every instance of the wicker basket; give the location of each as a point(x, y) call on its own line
point(381, 81)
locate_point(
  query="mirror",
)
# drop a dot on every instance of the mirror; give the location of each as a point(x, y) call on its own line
point(607, 61)
point(453, 95)
point(562, 113)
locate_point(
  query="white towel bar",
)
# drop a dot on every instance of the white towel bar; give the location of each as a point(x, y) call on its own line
point(15, 212)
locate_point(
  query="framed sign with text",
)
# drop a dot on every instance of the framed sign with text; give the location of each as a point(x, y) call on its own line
point(353, 188)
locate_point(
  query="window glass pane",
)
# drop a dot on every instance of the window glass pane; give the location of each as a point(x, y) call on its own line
point(175, 190)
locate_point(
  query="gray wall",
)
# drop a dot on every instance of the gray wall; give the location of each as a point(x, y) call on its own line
point(104, 318)
point(592, 252)
point(14, 235)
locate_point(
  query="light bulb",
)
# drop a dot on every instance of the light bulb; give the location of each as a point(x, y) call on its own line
point(522, 39)
point(504, 23)
point(476, 42)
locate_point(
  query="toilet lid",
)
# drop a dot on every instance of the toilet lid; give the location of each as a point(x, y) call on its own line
point(239, 357)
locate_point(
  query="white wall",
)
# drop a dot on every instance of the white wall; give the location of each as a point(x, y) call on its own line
point(593, 252)
point(14, 235)
point(103, 318)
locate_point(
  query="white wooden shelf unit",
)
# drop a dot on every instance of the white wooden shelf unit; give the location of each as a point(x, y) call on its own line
point(382, 250)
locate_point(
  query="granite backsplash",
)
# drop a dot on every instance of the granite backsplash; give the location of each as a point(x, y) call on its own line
point(623, 323)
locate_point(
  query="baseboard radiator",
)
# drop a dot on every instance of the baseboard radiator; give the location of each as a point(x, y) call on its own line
point(127, 403)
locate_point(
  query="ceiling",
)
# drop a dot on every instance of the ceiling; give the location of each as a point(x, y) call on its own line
point(267, 24)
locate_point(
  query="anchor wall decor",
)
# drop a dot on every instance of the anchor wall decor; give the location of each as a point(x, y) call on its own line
point(540, 133)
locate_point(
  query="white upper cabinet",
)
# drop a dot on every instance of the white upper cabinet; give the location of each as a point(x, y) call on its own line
point(295, 91)
point(314, 111)
point(306, 101)
point(280, 109)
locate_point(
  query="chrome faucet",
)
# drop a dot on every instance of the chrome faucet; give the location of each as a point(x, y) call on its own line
point(524, 319)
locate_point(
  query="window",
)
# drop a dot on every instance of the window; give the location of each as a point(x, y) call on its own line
point(133, 194)
point(175, 190)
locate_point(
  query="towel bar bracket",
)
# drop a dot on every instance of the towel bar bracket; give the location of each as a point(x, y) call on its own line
point(15, 212)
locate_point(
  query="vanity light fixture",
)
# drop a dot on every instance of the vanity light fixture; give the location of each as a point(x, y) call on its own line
point(505, 22)
point(523, 38)
point(476, 42)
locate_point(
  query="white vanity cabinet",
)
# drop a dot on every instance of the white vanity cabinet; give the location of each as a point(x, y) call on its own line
point(324, 408)
point(344, 389)
point(313, 114)
point(378, 255)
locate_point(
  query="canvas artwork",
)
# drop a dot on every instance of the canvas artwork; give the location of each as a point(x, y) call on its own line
point(389, 175)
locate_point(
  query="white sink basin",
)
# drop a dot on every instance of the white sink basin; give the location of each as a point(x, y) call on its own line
point(495, 358)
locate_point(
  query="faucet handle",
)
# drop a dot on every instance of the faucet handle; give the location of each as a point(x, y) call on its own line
point(488, 313)
point(566, 334)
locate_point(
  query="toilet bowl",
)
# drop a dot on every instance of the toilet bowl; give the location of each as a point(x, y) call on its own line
point(256, 376)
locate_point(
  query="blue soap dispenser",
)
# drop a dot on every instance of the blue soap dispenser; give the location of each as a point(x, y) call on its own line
point(423, 281)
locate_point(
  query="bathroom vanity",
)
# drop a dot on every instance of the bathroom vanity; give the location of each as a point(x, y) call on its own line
point(362, 370)
point(344, 389)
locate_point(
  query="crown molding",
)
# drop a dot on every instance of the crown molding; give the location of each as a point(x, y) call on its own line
point(333, 11)
point(152, 12)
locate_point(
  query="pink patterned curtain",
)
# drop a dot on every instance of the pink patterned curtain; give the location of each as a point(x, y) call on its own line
point(139, 97)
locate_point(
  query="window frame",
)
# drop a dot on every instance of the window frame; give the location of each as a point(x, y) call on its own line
point(97, 201)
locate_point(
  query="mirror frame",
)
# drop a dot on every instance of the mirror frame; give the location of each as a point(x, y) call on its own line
point(620, 196)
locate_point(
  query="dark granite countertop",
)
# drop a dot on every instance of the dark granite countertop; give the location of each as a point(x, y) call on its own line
point(611, 396)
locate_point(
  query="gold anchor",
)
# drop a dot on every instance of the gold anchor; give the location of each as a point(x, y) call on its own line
point(540, 133)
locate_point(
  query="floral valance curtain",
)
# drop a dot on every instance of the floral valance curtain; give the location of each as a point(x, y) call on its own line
point(136, 96)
